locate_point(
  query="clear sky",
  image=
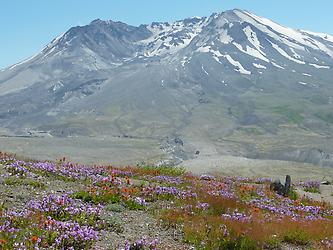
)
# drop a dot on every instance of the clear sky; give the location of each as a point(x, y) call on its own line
point(26, 26)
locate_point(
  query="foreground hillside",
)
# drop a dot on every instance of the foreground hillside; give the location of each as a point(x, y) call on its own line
point(62, 205)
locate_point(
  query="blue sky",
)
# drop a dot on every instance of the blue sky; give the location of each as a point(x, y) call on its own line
point(26, 26)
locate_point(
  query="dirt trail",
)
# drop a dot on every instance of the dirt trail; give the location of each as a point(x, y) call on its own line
point(326, 194)
point(234, 166)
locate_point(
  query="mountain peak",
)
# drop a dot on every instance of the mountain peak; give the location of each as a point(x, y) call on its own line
point(97, 21)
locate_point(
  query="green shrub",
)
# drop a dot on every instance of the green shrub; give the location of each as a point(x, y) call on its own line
point(165, 170)
point(293, 195)
point(326, 117)
point(14, 181)
point(114, 208)
point(34, 183)
point(297, 237)
point(102, 198)
point(133, 205)
point(312, 190)
point(240, 243)
point(292, 115)
point(273, 243)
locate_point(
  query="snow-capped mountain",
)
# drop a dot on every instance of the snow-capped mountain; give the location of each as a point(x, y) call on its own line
point(233, 77)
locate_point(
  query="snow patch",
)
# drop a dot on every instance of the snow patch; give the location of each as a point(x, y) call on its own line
point(225, 38)
point(238, 65)
point(251, 51)
point(57, 85)
point(319, 66)
point(202, 67)
point(285, 54)
point(303, 83)
point(259, 66)
point(276, 65)
point(204, 49)
point(297, 56)
point(253, 39)
point(184, 61)
point(306, 74)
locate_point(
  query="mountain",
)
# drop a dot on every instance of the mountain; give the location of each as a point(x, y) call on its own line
point(234, 83)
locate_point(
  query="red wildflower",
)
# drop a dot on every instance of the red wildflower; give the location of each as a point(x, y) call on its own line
point(34, 239)
point(3, 241)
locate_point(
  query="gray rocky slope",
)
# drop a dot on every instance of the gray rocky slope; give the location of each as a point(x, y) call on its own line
point(234, 81)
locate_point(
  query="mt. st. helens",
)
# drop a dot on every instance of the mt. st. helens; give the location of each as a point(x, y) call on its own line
point(234, 82)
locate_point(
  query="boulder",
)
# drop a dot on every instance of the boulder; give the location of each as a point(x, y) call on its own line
point(207, 177)
point(287, 186)
point(277, 187)
point(325, 183)
point(281, 189)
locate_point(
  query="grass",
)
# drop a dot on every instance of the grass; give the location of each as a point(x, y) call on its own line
point(292, 115)
point(162, 170)
point(92, 197)
point(14, 181)
point(133, 205)
point(293, 195)
point(319, 99)
point(326, 117)
point(297, 236)
point(312, 190)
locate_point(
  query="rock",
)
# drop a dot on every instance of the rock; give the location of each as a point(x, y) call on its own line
point(325, 183)
point(207, 177)
point(281, 189)
point(287, 186)
point(179, 141)
point(277, 187)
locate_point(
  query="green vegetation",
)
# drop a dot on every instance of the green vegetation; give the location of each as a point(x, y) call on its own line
point(312, 190)
point(293, 194)
point(96, 198)
point(297, 237)
point(14, 181)
point(134, 205)
point(163, 170)
point(241, 243)
point(319, 99)
point(292, 115)
point(326, 117)
point(114, 207)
